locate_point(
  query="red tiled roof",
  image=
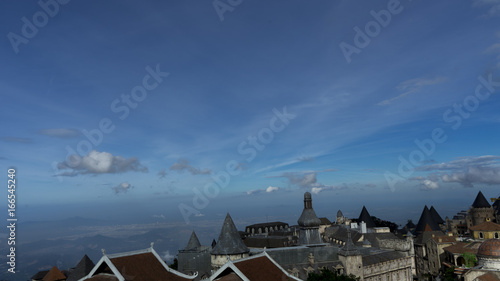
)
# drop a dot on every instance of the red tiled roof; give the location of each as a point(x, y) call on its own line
point(462, 247)
point(445, 239)
point(54, 275)
point(261, 268)
point(143, 267)
point(230, 277)
point(488, 277)
point(101, 277)
point(486, 226)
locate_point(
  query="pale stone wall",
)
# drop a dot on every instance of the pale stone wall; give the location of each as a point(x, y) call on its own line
point(394, 270)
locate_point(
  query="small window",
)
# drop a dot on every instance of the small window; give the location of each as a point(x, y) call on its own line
point(481, 236)
point(496, 235)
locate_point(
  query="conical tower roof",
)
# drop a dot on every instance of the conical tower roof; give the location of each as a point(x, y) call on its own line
point(229, 242)
point(365, 216)
point(54, 275)
point(81, 269)
point(435, 216)
point(193, 243)
point(426, 222)
point(308, 217)
point(480, 201)
point(349, 248)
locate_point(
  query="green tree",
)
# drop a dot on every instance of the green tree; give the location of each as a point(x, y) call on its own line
point(449, 274)
point(175, 264)
point(470, 259)
point(328, 275)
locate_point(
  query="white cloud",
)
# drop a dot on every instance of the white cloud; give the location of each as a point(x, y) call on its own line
point(167, 257)
point(466, 171)
point(123, 187)
point(100, 163)
point(272, 188)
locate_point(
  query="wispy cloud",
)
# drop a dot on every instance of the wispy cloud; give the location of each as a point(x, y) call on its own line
point(183, 165)
point(16, 140)
point(162, 174)
point(466, 171)
point(101, 163)
point(60, 133)
point(412, 86)
point(305, 159)
point(495, 49)
point(123, 187)
point(269, 189)
point(493, 5)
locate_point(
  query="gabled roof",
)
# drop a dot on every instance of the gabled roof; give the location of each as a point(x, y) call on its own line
point(486, 226)
point(365, 216)
point(426, 222)
point(462, 247)
point(260, 267)
point(142, 265)
point(229, 242)
point(435, 216)
point(81, 269)
point(480, 201)
point(54, 275)
point(325, 221)
point(193, 243)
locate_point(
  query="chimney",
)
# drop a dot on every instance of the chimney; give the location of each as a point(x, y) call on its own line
point(363, 227)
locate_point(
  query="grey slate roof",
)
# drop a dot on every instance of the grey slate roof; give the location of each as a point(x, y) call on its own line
point(339, 214)
point(349, 248)
point(81, 269)
point(308, 217)
point(382, 257)
point(229, 242)
point(193, 243)
point(435, 216)
point(480, 201)
point(426, 219)
point(365, 216)
point(39, 275)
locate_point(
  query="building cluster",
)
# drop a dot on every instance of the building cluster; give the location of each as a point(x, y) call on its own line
point(467, 245)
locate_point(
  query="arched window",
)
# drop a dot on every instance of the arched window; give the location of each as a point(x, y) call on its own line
point(481, 236)
point(496, 235)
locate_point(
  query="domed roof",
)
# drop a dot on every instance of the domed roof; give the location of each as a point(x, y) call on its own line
point(490, 248)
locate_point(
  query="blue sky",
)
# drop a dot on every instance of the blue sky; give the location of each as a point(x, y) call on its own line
point(171, 93)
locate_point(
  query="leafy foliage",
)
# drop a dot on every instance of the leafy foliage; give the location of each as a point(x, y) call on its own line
point(449, 274)
point(470, 259)
point(328, 275)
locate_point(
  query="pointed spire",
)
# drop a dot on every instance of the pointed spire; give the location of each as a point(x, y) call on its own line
point(426, 223)
point(81, 269)
point(54, 275)
point(308, 217)
point(349, 248)
point(229, 242)
point(435, 216)
point(365, 216)
point(193, 243)
point(213, 243)
point(480, 201)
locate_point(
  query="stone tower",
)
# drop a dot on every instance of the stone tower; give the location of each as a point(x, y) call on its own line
point(351, 258)
point(229, 246)
point(481, 211)
point(309, 224)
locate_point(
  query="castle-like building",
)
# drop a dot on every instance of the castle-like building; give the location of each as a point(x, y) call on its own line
point(363, 250)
